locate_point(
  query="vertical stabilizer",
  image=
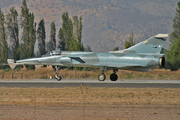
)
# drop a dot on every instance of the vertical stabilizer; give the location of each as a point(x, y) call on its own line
point(151, 45)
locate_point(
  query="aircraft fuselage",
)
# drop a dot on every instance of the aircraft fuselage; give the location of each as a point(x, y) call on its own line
point(140, 62)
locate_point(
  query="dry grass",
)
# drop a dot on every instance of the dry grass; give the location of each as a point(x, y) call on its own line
point(44, 73)
point(89, 95)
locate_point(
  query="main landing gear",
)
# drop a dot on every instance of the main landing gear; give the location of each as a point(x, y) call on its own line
point(113, 76)
point(102, 76)
point(57, 72)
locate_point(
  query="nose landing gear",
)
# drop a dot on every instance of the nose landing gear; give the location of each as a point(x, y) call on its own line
point(57, 72)
point(58, 77)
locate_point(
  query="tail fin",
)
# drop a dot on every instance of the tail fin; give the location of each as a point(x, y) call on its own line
point(151, 45)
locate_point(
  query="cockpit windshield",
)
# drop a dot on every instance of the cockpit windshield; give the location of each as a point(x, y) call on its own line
point(52, 53)
point(55, 52)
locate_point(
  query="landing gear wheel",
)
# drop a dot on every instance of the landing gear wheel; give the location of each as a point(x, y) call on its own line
point(113, 77)
point(57, 72)
point(58, 77)
point(101, 77)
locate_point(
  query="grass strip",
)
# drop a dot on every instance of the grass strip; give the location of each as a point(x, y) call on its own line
point(87, 95)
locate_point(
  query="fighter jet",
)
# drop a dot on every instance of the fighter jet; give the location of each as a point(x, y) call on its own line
point(143, 56)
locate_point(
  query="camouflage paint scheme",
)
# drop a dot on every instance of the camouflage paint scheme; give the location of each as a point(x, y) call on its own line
point(143, 56)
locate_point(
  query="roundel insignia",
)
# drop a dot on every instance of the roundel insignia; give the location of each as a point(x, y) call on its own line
point(54, 59)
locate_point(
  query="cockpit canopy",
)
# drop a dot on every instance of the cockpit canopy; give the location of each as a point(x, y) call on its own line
point(52, 53)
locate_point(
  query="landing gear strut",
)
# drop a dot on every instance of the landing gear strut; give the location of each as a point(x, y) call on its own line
point(113, 76)
point(102, 76)
point(57, 72)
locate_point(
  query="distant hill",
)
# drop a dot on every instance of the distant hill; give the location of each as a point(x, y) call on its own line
point(106, 23)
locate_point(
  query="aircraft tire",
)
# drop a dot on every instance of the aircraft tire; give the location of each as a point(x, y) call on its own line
point(113, 77)
point(101, 77)
point(58, 78)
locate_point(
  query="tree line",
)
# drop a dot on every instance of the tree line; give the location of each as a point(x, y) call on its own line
point(69, 35)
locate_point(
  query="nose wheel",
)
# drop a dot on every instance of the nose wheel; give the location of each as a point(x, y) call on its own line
point(57, 72)
point(58, 77)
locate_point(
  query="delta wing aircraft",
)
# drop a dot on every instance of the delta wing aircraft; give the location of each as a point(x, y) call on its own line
point(143, 56)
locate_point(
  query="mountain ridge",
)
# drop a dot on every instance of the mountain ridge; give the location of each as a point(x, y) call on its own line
point(106, 23)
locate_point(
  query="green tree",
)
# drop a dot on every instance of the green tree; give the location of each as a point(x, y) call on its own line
point(21, 51)
point(176, 25)
point(52, 41)
point(41, 36)
point(48, 47)
point(32, 33)
point(3, 39)
point(173, 56)
point(67, 29)
point(29, 31)
point(13, 30)
point(70, 35)
point(130, 42)
point(116, 49)
point(76, 43)
point(175, 36)
point(24, 25)
point(61, 42)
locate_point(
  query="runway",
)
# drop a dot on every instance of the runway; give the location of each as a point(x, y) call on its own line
point(47, 83)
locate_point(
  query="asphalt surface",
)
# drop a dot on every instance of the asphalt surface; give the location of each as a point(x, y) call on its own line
point(47, 83)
